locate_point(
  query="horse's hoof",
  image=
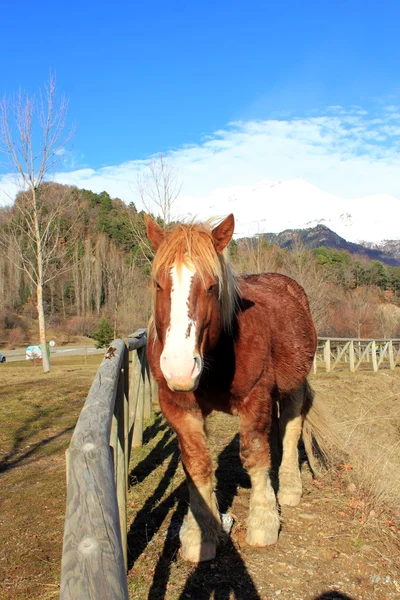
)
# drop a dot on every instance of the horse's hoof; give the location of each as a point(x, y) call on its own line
point(261, 537)
point(263, 530)
point(289, 499)
point(197, 553)
point(196, 546)
point(290, 488)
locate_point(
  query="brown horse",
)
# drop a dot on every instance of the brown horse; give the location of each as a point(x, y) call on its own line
point(242, 345)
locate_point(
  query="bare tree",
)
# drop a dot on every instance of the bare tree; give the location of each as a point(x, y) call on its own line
point(254, 255)
point(358, 313)
point(389, 320)
point(302, 266)
point(32, 140)
point(139, 237)
point(157, 189)
point(116, 271)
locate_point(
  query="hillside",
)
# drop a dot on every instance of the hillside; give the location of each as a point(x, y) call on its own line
point(101, 264)
point(391, 247)
point(322, 236)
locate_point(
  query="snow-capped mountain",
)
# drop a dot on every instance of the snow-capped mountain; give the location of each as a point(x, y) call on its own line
point(273, 206)
point(321, 235)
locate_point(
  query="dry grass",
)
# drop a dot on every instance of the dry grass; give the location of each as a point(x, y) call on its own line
point(365, 417)
point(38, 413)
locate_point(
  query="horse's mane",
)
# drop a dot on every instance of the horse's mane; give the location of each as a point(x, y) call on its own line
point(191, 244)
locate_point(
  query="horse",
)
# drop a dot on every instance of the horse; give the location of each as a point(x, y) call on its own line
point(238, 344)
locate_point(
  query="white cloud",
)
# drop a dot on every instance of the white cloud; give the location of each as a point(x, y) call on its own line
point(346, 154)
point(8, 188)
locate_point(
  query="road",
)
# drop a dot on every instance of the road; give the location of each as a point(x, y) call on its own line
point(17, 355)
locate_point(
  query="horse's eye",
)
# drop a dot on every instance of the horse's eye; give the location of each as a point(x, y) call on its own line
point(212, 287)
point(158, 286)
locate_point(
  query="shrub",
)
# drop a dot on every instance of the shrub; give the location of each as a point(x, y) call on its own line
point(104, 334)
point(16, 337)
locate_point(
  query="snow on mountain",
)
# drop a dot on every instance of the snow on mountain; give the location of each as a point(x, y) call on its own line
point(272, 206)
point(372, 218)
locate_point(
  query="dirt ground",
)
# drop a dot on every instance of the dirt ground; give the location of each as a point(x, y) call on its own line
point(327, 547)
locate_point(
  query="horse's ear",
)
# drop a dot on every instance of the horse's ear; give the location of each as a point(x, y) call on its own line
point(154, 232)
point(222, 234)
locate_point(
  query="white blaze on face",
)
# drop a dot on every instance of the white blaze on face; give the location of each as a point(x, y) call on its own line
point(179, 360)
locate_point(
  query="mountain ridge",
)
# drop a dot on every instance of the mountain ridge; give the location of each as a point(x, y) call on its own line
point(321, 235)
point(276, 205)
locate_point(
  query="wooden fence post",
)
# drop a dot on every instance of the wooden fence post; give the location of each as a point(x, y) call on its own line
point(327, 355)
point(373, 356)
point(154, 390)
point(137, 437)
point(351, 356)
point(391, 356)
point(134, 386)
point(396, 355)
point(146, 387)
point(120, 466)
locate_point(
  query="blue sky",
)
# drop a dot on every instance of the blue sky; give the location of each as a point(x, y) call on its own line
point(144, 77)
point(193, 80)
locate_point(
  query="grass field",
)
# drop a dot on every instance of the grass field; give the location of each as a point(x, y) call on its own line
point(356, 505)
point(37, 415)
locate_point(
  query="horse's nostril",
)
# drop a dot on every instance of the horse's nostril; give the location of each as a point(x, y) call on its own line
point(197, 360)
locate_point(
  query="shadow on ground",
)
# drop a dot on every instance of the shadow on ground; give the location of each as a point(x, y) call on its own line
point(23, 450)
point(226, 577)
point(333, 596)
point(223, 578)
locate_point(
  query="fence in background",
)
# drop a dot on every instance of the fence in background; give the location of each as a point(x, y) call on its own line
point(353, 354)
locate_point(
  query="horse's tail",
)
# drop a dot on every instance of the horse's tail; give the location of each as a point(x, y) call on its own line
point(320, 437)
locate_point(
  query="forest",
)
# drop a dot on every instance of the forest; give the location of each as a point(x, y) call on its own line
point(100, 262)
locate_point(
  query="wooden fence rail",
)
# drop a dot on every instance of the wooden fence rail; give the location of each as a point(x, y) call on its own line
point(94, 559)
point(352, 353)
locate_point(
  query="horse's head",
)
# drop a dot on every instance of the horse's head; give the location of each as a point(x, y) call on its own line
point(194, 296)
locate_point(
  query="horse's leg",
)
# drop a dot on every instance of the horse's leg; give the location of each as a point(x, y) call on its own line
point(290, 425)
point(202, 525)
point(255, 422)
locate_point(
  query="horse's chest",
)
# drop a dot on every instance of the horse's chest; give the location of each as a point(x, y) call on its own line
point(233, 372)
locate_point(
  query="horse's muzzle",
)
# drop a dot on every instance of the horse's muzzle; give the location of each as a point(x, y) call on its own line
point(182, 376)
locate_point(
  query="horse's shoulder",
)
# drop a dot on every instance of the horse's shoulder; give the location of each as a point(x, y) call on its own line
point(279, 304)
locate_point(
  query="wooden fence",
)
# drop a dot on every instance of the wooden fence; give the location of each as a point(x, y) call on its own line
point(94, 559)
point(355, 353)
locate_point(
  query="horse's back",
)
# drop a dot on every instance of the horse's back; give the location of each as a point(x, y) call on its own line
point(275, 312)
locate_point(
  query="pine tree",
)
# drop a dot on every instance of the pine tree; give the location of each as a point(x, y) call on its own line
point(104, 334)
